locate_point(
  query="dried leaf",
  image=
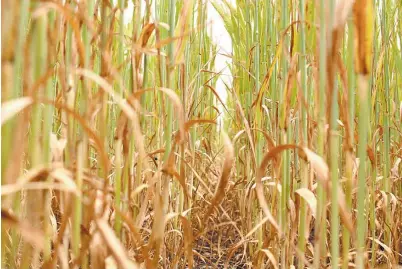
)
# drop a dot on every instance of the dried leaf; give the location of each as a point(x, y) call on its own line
point(10, 108)
point(182, 26)
point(32, 175)
point(271, 154)
point(227, 167)
point(364, 24)
point(310, 198)
point(270, 257)
point(57, 147)
point(115, 246)
point(33, 236)
point(143, 40)
point(322, 171)
point(188, 240)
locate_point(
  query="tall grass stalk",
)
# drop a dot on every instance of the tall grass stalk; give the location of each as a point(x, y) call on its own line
point(7, 138)
point(386, 113)
point(361, 195)
point(320, 226)
point(349, 152)
point(333, 141)
point(303, 112)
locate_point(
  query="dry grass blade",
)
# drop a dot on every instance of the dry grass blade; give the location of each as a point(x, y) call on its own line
point(364, 21)
point(217, 97)
point(57, 147)
point(182, 27)
point(34, 174)
point(310, 198)
point(179, 110)
point(158, 228)
point(318, 164)
point(322, 171)
point(143, 40)
point(227, 167)
point(135, 233)
point(71, 18)
point(246, 124)
point(10, 108)
point(125, 107)
point(115, 246)
point(243, 240)
point(84, 124)
point(188, 240)
point(270, 155)
point(11, 189)
point(33, 236)
point(174, 98)
point(270, 257)
point(191, 123)
point(342, 11)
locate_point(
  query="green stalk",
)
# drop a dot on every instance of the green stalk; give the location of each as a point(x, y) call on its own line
point(376, 117)
point(259, 144)
point(249, 39)
point(258, 122)
point(273, 82)
point(47, 130)
point(118, 184)
point(103, 115)
point(198, 84)
point(35, 198)
point(169, 122)
point(320, 225)
point(334, 174)
point(82, 147)
point(120, 48)
point(186, 79)
point(386, 116)
point(196, 91)
point(334, 153)
point(118, 143)
point(349, 155)
point(361, 193)
point(133, 75)
point(303, 111)
point(7, 129)
point(84, 101)
point(77, 220)
point(284, 197)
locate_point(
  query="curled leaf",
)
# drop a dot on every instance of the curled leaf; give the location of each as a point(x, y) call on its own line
point(143, 40)
point(321, 168)
point(309, 197)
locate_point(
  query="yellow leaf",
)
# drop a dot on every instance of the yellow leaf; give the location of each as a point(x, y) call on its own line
point(364, 23)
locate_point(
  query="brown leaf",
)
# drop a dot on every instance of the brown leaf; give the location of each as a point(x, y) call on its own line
point(33, 236)
point(310, 198)
point(227, 167)
point(271, 154)
point(10, 108)
point(114, 245)
point(143, 40)
point(364, 24)
point(270, 257)
point(188, 240)
point(322, 171)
